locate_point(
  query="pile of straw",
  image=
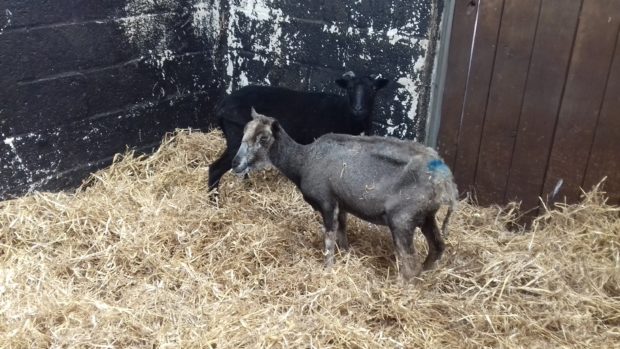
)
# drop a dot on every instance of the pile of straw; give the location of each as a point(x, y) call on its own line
point(139, 257)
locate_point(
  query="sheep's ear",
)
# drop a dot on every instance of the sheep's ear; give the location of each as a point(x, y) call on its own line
point(380, 83)
point(255, 114)
point(275, 128)
point(342, 82)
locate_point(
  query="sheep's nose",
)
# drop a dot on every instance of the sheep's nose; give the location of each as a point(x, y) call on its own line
point(235, 162)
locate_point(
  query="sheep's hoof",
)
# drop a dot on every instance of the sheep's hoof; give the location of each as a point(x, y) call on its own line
point(329, 265)
point(429, 265)
point(409, 273)
point(407, 280)
point(214, 198)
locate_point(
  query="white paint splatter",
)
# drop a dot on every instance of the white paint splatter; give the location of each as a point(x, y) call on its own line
point(152, 33)
point(8, 15)
point(206, 19)
point(17, 159)
point(257, 9)
point(408, 94)
point(159, 59)
point(408, 86)
point(333, 29)
point(230, 68)
point(266, 48)
point(390, 129)
point(263, 11)
point(243, 79)
point(146, 31)
point(394, 36)
point(232, 43)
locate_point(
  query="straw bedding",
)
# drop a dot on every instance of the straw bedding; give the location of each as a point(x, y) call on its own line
point(139, 257)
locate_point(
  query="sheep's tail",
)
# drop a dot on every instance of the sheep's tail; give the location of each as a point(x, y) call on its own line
point(445, 189)
point(442, 183)
point(444, 225)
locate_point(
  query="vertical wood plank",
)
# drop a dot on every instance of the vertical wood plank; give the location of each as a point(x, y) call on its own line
point(477, 92)
point(592, 55)
point(456, 77)
point(605, 155)
point(516, 37)
point(551, 54)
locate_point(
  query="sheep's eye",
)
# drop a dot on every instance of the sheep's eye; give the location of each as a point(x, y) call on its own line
point(262, 140)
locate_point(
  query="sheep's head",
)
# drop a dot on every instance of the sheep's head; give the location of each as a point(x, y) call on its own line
point(361, 91)
point(258, 137)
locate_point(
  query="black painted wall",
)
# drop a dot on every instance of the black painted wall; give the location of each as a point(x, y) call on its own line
point(82, 80)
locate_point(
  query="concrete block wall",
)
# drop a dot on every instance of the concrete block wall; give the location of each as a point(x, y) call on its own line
point(82, 80)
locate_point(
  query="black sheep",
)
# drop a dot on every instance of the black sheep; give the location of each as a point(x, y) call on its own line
point(304, 115)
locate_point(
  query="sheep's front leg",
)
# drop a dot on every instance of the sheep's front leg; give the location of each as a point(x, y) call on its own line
point(330, 223)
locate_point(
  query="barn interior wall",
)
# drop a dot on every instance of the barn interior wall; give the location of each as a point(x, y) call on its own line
point(530, 107)
point(82, 81)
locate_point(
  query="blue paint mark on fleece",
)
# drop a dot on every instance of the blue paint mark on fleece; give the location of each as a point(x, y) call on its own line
point(437, 165)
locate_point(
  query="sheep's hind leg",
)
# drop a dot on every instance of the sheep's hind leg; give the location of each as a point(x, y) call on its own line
point(402, 233)
point(341, 233)
point(330, 223)
point(436, 245)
